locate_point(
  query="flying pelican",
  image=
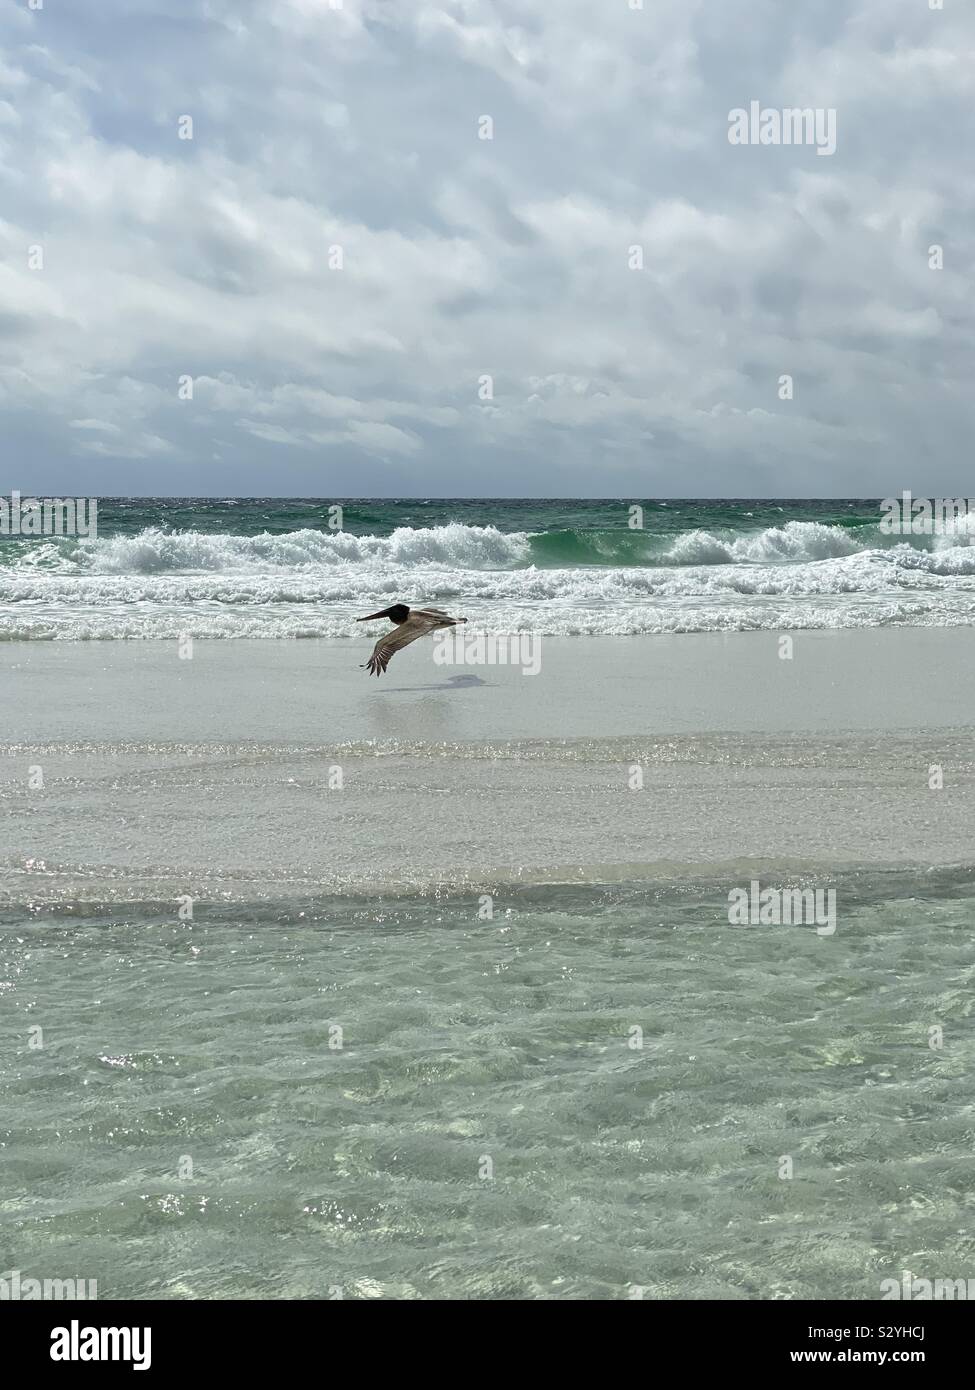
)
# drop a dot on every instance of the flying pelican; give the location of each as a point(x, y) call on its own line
point(411, 623)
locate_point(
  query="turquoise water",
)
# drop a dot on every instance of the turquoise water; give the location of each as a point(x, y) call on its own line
point(487, 1129)
point(603, 1089)
point(250, 516)
point(295, 568)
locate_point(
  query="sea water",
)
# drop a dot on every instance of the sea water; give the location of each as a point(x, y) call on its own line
point(319, 987)
point(599, 1092)
point(275, 567)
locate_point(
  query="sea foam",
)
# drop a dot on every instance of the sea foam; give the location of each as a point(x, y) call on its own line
point(159, 583)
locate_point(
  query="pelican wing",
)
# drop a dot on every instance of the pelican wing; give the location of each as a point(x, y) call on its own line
point(437, 617)
point(418, 624)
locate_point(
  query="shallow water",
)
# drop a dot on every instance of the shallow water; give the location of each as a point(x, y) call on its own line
point(488, 1127)
point(191, 1127)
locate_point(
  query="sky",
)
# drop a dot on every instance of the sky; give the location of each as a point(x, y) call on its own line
point(339, 287)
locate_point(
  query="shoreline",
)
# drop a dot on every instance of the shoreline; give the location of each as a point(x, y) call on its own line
point(271, 772)
point(842, 680)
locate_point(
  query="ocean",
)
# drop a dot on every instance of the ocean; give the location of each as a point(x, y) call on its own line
point(272, 567)
point(316, 986)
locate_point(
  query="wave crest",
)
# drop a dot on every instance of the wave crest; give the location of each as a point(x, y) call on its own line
point(454, 546)
point(796, 540)
point(155, 551)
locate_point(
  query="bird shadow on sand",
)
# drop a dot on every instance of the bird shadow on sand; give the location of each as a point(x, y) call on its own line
point(451, 683)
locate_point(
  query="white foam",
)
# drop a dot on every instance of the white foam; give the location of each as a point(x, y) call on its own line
point(797, 540)
point(156, 551)
point(310, 583)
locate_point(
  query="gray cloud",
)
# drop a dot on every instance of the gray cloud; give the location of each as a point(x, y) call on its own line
point(357, 128)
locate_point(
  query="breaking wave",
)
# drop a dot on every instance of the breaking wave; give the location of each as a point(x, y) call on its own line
point(454, 546)
point(159, 583)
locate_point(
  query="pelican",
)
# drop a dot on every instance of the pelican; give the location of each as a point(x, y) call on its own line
point(410, 623)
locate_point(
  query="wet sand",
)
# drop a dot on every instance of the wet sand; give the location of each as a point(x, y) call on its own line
point(262, 769)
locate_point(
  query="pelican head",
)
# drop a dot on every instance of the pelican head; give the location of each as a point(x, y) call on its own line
point(398, 613)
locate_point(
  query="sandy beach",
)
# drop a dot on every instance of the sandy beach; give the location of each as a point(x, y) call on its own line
point(262, 769)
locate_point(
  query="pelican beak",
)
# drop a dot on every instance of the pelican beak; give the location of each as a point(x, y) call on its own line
point(370, 616)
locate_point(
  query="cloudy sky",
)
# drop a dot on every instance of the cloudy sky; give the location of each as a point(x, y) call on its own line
point(131, 258)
